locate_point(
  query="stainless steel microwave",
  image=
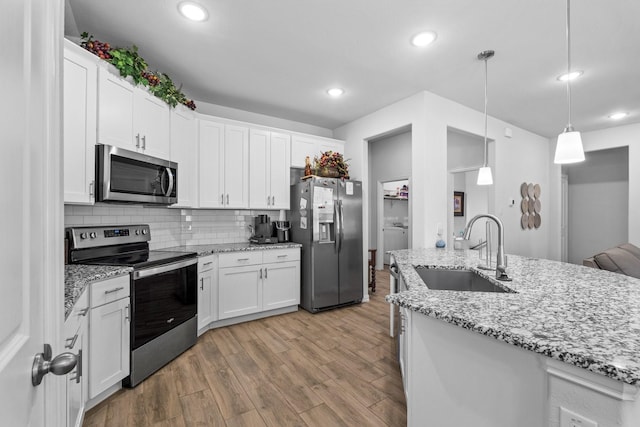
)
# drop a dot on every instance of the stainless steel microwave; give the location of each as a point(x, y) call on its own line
point(125, 176)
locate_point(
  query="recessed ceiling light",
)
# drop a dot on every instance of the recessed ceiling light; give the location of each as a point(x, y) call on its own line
point(335, 92)
point(424, 39)
point(618, 116)
point(572, 75)
point(193, 11)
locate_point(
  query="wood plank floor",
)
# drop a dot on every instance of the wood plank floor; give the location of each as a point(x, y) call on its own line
point(336, 368)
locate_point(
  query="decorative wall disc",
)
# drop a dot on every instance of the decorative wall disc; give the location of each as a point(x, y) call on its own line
point(537, 206)
point(523, 189)
point(524, 221)
point(524, 206)
point(537, 220)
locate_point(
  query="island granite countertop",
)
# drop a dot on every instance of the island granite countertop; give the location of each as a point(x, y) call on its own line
point(586, 317)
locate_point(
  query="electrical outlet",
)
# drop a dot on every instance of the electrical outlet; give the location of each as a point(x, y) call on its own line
point(571, 419)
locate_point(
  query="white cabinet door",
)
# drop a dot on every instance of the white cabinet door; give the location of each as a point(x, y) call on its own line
point(278, 167)
point(207, 291)
point(151, 121)
point(301, 147)
point(108, 345)
point(79, 127)
point(184, 151)
point(210, 175)
point(281, 285)
point(259, 191)
point(405, 335)
point(240, 291)
point(76, 336)
point(115, 111)
point(269, 163)
point(236, 167)
point(327, 145)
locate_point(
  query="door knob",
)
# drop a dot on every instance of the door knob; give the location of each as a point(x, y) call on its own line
point(62, 364)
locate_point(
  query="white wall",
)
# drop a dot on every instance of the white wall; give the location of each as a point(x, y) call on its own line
point(524, 157)
point(598, 202)
point(260, 119)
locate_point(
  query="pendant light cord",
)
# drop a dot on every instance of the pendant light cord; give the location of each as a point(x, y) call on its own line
point(485, 112)
point(569, 127)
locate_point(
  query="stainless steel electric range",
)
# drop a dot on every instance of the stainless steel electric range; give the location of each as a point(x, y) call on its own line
point(163, 291)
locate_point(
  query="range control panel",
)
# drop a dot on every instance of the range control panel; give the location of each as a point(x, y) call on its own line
point(93, 236)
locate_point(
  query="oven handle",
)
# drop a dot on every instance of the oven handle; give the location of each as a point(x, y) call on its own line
point(140, 274)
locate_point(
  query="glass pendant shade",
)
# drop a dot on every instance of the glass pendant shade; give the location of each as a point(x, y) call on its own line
point(484, 176)
point(569, 148)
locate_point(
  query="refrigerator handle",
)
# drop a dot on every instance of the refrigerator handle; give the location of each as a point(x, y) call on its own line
point(341, 224)
point(336, 222)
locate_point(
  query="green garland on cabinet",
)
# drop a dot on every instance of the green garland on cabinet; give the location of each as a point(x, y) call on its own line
point(130, 63)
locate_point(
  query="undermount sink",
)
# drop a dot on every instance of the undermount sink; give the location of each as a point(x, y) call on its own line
point(457, 280)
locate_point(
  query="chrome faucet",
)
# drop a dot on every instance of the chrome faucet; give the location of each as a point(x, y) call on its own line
point(501, 262)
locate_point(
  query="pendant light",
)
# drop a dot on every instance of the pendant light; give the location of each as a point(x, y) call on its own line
point(484, 173)
point(569, 146)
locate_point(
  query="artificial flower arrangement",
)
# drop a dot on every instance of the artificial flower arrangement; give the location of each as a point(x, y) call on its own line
point(331, 161)
point(130, 63)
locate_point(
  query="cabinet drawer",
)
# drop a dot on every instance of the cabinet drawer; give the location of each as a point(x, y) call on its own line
point(206, 263)
point(280, 255)
point(109, 290)
point(238, 259)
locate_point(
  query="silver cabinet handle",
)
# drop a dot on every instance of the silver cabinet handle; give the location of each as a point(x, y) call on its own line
point(282, 256)
point(268, 200)
point(144, 142)
point(83, 312)
point(207, 263)
point(243, 259)
point(110, 291)
point(78, 368)
point(126, 315)
point(138, 140)
point(261, 273)
point(273, 200)
point(202, 284)
point(227, 198)
point(91, 189)
point(72, 343)
point(265, 272)
point(222, 199)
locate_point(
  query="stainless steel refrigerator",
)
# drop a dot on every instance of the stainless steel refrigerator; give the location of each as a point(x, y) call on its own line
point(326, 218)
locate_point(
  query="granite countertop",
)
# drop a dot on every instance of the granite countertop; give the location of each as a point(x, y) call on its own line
point(78, 276)
point(204, 250)
point(586, 317)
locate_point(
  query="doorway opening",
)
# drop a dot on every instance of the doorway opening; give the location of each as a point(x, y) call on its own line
point(595, 204)
point(389, 159)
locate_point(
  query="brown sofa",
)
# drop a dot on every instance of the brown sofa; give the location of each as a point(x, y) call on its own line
point(623, 259)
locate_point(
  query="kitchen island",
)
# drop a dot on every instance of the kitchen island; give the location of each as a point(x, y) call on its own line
point(566, 337)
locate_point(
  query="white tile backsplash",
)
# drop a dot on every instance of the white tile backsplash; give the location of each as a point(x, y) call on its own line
point(171, 227)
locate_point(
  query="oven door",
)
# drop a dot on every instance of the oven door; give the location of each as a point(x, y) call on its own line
point(127, 176)
point(162, 298)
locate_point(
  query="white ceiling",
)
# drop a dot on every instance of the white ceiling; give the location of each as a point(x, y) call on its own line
point(277, 57)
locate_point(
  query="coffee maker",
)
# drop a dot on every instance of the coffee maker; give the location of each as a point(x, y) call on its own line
point(262, 231)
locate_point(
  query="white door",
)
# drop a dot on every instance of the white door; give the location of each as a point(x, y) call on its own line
point(31, 258)
point(279, 177)
point(258, 178)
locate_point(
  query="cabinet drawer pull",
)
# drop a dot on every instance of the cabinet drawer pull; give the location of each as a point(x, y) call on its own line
point(243, 259)
point(72, 343)
point(83, 312)
point(261, 273)
point(222, 199)
point(282, 256)
point(144, 142)
point(265, 273)
point(138, 140)
point(227, 199)
point(119, 288)
point(273, 200)
point(126, 315)
point(202, 284)
point(91, 185)
point(207, 263)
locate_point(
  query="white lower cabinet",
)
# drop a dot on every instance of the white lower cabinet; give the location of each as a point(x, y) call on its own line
point(256, 281)
point(207, 291)
point(75, 341)
point(403, 348)
point(109, 332)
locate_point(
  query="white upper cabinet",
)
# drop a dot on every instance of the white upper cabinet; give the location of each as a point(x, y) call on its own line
point(80, 91)
point(184, 151)
point(223, 165)
point(269, 163)
point(308, 145)
point(131, 118)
